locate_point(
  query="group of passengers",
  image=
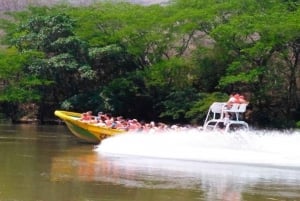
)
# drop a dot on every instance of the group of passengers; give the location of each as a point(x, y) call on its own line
point(107, 120)
point(236, 98)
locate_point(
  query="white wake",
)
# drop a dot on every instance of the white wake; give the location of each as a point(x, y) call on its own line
point(269, 148)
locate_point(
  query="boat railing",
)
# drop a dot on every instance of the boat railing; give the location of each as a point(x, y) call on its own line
point(221, 116)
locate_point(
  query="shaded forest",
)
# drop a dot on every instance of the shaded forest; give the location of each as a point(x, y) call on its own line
point(156, 62)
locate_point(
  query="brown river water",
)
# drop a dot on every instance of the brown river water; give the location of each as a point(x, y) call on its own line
point(46, 163)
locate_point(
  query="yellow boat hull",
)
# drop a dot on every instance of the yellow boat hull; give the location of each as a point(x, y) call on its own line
point(87, 132)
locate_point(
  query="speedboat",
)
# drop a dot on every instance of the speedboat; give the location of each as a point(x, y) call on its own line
point(216, 119)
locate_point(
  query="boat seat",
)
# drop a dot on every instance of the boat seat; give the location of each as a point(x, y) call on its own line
point(236, 109)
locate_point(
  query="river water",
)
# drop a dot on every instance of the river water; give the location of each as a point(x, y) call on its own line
point(46, 163)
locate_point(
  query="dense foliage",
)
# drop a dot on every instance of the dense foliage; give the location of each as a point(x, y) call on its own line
point(166, 63)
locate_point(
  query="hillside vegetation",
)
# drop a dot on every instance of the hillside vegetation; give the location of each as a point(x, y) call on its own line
point(164, 63)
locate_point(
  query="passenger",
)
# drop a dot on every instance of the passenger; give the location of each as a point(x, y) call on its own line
point(146, 127)
point(242, 100)
point(120, 122)
point(162, 127)
point(175, 127)
point(108, 119)
point(152, 127)
point(123, 125)
point(142, 126)
point(234, 99)
point(84, 117)
point(101, 123)
point(87, 116)
point(113, 123)
point(134, 125)
point(90, 114)
point(98, 118)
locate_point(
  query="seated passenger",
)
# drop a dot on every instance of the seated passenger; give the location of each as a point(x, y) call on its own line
point(234, 99)
point(242, 100)
point(100, 123)
point(134, 125)
point(87, 116)
point(113, 123)
point(123, 125)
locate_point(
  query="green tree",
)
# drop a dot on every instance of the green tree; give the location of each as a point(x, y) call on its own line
point(129, 97)
point(17, 87)
point(65, 63)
